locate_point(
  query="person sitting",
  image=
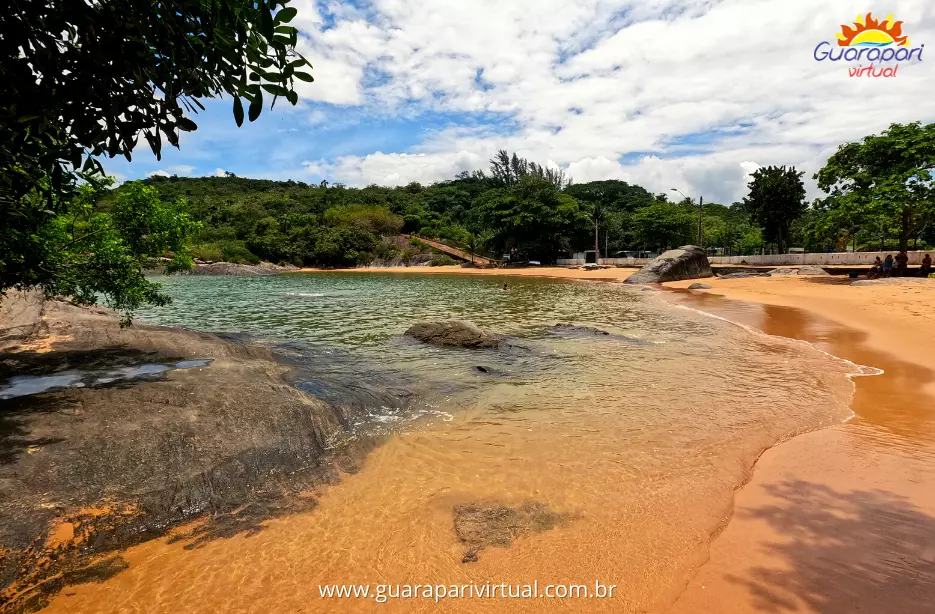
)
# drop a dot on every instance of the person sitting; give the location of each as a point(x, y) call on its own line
point(902, 264)
point(876, 270)
point(888, 265)
point(926, 267)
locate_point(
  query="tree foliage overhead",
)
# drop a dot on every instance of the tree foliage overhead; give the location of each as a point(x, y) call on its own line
point(88, 78)
point(882, 183)
point(83, 253)
point(85, 79)
point(775, 201)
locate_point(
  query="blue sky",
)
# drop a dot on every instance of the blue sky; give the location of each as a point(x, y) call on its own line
point(693, 94)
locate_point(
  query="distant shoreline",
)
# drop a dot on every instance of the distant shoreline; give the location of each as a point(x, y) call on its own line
point(608, 274)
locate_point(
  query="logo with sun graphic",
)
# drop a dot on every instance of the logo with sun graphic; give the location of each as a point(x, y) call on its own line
point(869, 32)
point(877, 45)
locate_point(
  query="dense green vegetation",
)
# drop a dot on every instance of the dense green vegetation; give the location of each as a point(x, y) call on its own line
point(521, 208)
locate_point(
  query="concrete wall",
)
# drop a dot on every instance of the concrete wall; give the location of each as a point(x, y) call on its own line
point(846, 258)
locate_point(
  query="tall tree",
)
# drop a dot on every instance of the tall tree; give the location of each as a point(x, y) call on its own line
point(888, 174)
point(508, 170)
point(776, 199)
point(533, 217)
point(663, 225)
point(83, 79)
point(603, 198)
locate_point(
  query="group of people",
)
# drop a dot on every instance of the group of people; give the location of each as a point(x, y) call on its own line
point(898, 266)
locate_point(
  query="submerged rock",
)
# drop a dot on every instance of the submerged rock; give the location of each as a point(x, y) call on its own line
point(698, 286)
point(581, 330)
point(454, 333)
point(687, 262)
point(481, 524)
point(807, 270)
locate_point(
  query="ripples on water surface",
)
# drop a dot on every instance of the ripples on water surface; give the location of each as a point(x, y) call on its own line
point(641, 435)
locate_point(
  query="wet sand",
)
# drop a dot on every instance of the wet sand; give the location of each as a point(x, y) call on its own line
point(843, 519)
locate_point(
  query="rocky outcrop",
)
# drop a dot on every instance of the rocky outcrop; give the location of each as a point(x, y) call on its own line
point(807, 270)
point(230, 268)
point(454, 333)
point(697, 286)
point(231, 442)
point(688, 262)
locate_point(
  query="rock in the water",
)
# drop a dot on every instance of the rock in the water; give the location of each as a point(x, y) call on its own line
point(454, 333)
point(810, 270)
point(580, 330)
point(483, 524)
point(687, 262)
point(698, 286)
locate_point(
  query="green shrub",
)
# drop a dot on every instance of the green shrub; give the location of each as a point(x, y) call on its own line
point(225, 251)
point(442, 260)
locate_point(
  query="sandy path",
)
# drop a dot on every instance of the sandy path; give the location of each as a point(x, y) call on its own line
point(841, 520)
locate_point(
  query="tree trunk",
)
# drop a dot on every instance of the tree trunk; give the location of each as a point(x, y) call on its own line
point(597, 244)
point(904, 230)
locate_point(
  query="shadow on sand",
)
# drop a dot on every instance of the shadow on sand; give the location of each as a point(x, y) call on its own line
point(860, 551)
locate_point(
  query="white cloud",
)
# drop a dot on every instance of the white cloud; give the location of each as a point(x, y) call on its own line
point(159, 173)
point(220, 172)
point(691, 94)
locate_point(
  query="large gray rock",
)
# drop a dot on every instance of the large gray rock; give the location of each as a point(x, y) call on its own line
point(688, 262)
point(698, 286)
point(453, 333)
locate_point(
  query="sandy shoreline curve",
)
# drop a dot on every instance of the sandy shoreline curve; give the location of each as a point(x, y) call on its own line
point(837, 520)
point(843, 519)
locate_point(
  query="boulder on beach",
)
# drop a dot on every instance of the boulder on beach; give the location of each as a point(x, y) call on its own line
point(453, 333)
point(687, 262)
point(807, 270)
point(698, 286)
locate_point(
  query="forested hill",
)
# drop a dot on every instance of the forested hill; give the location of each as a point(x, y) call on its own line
point(517, 205)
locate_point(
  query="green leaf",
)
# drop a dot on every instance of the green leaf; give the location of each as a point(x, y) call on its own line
point(286, 15)
point(303, 76)
point(292, 97)
point(266, 21)
point(187, 125)
point(238, 111)
point(276, 90)
point(256, 105)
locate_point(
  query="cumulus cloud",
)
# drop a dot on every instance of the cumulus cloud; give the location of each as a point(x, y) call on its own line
point(692, 94)
point(701, 89)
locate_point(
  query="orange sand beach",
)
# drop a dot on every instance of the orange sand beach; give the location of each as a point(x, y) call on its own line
point(834, 521)
point(839, 520)
point(843, 519)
